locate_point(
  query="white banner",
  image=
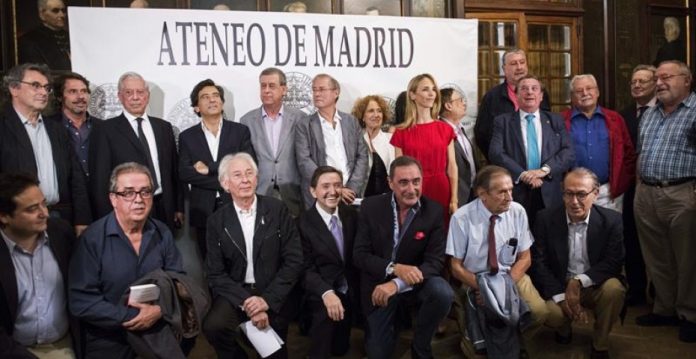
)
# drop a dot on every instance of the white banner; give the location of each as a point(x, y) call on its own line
point(174, 49)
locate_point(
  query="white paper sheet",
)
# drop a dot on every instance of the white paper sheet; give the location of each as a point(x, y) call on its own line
point(266, 341)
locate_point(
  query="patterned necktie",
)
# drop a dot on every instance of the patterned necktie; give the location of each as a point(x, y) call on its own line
point(533, 161)
point(337, 234)
point(492, 255)
point(146, 148)
point(641, 111)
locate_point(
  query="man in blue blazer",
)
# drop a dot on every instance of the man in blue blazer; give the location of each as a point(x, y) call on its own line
point(201, 147)
point(272, 129)
point(346, 148)
point(535, 147)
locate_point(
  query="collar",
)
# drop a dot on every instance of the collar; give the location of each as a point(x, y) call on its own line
point(585, 221)
point(205, 129)
point(326, 216)
point(113, 228)
point(483, 211)
point(68, 121)
point(336, 118)
point(395, 204)
point(650, 103)
point(264, 114)
point(598, 111)
point(251, 211)
point(25, 121)
point(455, 127)
point(131, 118)
point(688, 102)
point(524, 113)
point(11, 245)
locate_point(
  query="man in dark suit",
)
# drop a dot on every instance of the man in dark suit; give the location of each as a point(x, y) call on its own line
point(254, 260)
point(331, 137)
point(577, 259)
point(643, 91)
point(400, 251)
point(136, 137)
point(34, 255)
point(72, 95)
point(501, 98)
point(328, 230)
point(466, 154)
point(201, 148)
point(272, 129)
point(42, 148)
point(535, 147)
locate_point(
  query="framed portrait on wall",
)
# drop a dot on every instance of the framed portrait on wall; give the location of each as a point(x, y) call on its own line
point(237, 5)
point(429, 8)
point(668, 34)
point(372, 7)
point(312, 6)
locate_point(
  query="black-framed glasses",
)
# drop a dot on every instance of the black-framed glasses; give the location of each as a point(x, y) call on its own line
point(129, 195)
point(581, 196)
point(36, 86)
point(640, 82)
point(665, 78)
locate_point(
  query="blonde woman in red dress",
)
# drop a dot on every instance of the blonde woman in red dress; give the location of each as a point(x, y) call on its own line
point(430, 141)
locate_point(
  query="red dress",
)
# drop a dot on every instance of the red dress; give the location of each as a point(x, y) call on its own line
point(428, 144)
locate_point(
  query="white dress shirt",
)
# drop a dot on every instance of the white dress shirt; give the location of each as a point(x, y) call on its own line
point(333, 145)
point(211, 139)
point(578, 259)
point(247, 219)
point(43, 156)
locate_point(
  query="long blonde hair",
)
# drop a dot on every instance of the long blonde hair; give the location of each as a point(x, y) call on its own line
point(411, 114)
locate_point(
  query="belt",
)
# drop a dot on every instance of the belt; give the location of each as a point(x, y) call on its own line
point(675, 182)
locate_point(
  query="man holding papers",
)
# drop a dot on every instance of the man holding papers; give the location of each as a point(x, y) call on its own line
point(254, 260)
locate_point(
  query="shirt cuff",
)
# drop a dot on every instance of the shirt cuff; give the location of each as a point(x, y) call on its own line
point(585, 280)
point(401, 286)
point(558, 298)
point(325, 293)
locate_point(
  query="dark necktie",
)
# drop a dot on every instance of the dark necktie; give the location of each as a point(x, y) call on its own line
point(148, 156)
point(641, 111)
point(492, 256)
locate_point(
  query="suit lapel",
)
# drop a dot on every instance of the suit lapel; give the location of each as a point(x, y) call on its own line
point(8, 280)
point(560, 238)
point(517, 133)
point(15, 125)
point(594, 236)
point(315, 127)
point(261, 226)
point(324, 234)
point(260, 129)
point(285, 130)
point(225, 139)
point(126, 130)
point(158, 130)
point(233, 230)
point(348, 143)
point(546, 136)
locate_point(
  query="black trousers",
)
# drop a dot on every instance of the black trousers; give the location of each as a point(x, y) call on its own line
point(328, 337)
point(221, 328)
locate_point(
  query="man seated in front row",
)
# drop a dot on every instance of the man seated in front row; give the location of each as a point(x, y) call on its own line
point(490, 235)
point(577, 260)
point(400, 250)
point(330, 280)
point(254, 260)
point(114, 252)
point(34, 256)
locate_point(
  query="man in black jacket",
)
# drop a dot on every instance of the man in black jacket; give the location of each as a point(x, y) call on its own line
point(254, 260)
point(34, 256)
point(577, 260)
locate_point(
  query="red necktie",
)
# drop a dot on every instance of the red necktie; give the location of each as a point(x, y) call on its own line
point(492, 256)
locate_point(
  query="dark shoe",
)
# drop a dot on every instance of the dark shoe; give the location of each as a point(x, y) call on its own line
point(687, 331)
point(599, 354)
point(657, 320)
point(564, 339)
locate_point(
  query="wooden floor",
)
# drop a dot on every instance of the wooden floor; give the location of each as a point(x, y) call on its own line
point(628, 341)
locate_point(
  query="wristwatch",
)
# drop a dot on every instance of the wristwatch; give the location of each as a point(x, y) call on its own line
point(390, 268)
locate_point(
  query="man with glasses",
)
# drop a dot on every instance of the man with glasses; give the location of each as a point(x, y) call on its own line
point(665, 204)
point(202, 147)
point(134, 136)
point(601, 142)
point(643, 91)
point(42, 148)
point(330, 137)
point(577, 259)
point(49, 43)
point(534, 146)
point(466, 154)
point(254, 260)
point(114, 252)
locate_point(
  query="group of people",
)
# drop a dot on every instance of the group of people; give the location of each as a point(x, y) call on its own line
point(519, 229)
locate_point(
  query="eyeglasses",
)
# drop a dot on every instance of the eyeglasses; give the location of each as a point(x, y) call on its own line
point(322, 89)
point(129, 195)
point(665, 78)
point(36, 86)
point(581, 196)
point(640, 82)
